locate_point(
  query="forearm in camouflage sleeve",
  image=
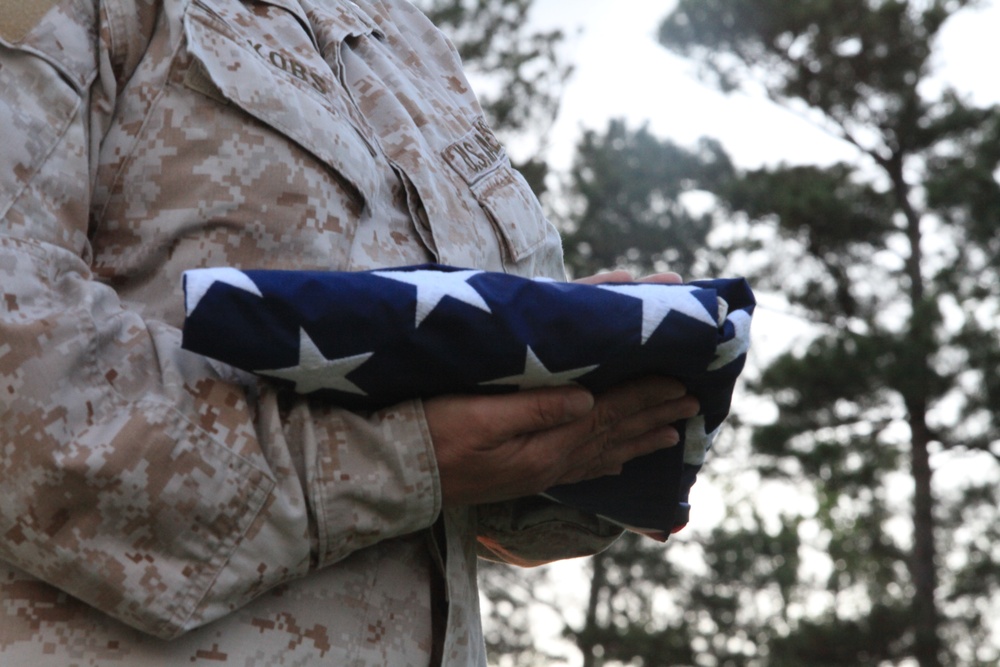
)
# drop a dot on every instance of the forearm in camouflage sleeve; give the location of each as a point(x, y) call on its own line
point(132, 474)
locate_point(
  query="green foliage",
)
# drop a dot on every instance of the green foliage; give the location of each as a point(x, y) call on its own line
point(860, 62)
point(836, 219)
point(893, 258)
point(513, 595)
point(865, 271)
point(832, 642)
point(827, 207)
point(630, 186)
point(521, 70)
point(754, 559)
point(961, 183)
point(623, 623)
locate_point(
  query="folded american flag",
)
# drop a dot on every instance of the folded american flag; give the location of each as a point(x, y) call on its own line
point(366, 340)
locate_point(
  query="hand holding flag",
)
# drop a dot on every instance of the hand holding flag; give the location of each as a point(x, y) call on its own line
point(370, 339)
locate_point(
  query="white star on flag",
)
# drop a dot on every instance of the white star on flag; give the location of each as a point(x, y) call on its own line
point(658, 302)
point(537, 375)
point(309, 328)
point(433, 286)
point(732, 350)
point(197, 283)
point(315, 371)
point(697, 440)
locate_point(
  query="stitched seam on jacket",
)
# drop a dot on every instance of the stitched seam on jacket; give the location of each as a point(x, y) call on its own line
point(186, 601)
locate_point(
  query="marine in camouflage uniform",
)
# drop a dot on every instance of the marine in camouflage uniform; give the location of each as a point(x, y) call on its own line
point(148, 494)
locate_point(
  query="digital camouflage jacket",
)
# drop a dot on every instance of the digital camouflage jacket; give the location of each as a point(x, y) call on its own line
point(157, 508)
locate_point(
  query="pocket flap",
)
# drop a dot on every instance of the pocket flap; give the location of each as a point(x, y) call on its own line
point(514, 209)
point(294, 98)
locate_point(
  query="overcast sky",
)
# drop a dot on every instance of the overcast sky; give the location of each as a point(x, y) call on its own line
point(622, 71)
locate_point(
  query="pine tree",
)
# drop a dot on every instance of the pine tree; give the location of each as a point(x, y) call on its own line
point(627, 192)
point(896, 256)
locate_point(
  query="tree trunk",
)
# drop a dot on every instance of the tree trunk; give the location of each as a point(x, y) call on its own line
point(923, 568)
point(587, 638)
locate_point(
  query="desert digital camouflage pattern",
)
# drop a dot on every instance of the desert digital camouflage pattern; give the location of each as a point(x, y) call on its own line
point(156, 508)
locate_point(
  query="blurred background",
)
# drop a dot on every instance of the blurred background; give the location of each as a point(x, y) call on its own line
point(844, 156)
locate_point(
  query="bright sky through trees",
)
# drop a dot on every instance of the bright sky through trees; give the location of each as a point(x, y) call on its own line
point(621, 71)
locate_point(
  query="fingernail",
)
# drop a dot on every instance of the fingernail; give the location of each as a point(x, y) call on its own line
point(578, 403)
point(674, 390)
point(671, 436)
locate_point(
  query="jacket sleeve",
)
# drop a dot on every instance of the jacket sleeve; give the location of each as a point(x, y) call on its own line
point(534, 531)
point(133, 475)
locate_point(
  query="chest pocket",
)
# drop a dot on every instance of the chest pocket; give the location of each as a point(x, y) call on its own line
point(287, 87)
point(513, 208)
point(501, 191)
